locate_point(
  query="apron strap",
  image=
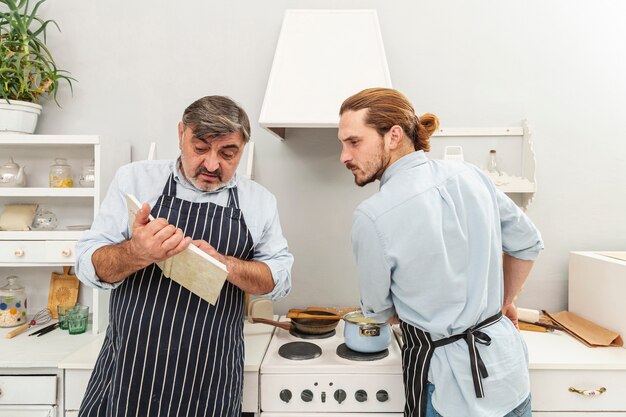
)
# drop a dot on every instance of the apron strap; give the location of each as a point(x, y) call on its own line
point(170, 186)
point(233, 198)
point(417, 353)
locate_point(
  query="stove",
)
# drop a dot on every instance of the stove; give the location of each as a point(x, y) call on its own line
point(322, 377)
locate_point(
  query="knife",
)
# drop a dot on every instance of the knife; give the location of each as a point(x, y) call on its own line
point(48, 329)
point(45, 329)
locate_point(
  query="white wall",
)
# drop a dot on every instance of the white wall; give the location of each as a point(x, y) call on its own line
point(560, 64)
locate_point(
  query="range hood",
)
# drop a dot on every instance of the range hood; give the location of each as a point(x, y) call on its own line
point(322, 57)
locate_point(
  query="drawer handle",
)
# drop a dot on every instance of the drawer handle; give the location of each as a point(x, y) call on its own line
point(588, 392)
point(19, 253)
point(66, 252)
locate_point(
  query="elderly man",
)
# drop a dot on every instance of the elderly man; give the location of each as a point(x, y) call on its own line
point(440, 247)
point(167, 352)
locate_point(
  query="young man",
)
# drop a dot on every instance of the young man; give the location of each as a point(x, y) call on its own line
point(440, 247)
point(168, 352)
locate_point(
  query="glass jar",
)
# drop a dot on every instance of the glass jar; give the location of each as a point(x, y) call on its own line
point(60, 174)
point(12, 303)
point(88, 176)
point(44, 219)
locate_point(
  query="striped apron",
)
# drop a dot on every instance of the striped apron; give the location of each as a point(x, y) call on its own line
point(166, 351)
point(418, 350)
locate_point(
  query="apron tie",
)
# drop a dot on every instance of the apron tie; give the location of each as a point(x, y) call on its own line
point(420, 359)
point(472, 336)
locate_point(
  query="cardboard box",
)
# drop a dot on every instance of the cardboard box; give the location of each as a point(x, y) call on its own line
point(597, 288)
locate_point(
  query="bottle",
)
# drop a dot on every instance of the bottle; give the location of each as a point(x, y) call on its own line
point(492, 165)
point(60, 174)
point(12, 303)
point(88, 176)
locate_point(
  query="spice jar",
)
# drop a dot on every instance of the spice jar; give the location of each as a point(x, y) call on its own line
point(60, 174)
point(88, 176)
point(12, 303)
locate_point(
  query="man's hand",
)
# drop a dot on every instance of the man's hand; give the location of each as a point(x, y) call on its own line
point(156, 240)
point(253, 277)
point(510, 311)
point(204, 246)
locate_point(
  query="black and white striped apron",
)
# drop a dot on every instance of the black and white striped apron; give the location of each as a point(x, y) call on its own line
point(166, 351)
point(418, 350)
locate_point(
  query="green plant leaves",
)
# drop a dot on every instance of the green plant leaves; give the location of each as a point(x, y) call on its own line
point(27, 69)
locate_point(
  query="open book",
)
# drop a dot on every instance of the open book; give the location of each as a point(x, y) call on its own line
point(195, 270)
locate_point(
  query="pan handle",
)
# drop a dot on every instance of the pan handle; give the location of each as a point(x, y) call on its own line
point(282, 325)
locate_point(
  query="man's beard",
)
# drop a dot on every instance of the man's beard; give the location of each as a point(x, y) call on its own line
point(373, 169)
point(202, 185)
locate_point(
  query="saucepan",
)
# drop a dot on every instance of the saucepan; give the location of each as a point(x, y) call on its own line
point(365, 335)
point(304, 325)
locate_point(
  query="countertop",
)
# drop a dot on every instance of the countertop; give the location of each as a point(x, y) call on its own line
point(558, 350)
point(47, 351)
point(59, 349)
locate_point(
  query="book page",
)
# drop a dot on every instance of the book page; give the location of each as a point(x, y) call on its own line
point(193, 269)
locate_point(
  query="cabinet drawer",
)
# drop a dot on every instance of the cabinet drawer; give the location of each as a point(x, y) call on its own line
point(22, 251)
point(27, 411)
point(60, 251)
point(28, 389)
point(550, 390)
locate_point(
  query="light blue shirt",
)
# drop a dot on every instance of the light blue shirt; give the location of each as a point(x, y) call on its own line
point(146, 179)
point(429, 246)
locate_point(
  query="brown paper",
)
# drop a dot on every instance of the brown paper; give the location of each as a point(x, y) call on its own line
point(589, 333)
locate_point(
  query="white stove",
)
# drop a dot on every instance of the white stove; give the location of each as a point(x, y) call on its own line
point(329, 385)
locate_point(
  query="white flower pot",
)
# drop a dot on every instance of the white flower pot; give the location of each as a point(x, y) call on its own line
point(18, 116)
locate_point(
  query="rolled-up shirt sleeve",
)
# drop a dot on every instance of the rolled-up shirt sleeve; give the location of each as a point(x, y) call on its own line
point(374, 271)
point(520, 237)
point(109, 227)
point(272, 250)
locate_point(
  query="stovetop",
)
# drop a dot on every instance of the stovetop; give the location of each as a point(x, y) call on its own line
point(329, 384)
point(328, 361)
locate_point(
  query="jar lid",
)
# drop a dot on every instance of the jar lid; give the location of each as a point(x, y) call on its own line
point(12, 288)
point(60, 162)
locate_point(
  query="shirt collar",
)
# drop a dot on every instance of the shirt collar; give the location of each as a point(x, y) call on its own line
point(408, 161)
point(180, 178)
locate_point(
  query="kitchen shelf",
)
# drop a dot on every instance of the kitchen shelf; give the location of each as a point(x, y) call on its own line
point(72, 206)
point(46, 192)
point(41, 235)
point(520, 184)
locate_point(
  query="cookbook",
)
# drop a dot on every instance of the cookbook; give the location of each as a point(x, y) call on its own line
point(193, 269)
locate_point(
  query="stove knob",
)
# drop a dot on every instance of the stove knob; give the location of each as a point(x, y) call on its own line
point(307, 396)
point(382, 396)
point(340, 396)
point(285, 395)
point(360, 395)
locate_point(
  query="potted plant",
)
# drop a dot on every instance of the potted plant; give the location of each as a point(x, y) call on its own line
point(27, 69)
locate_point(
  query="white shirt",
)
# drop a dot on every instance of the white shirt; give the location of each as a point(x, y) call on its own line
point(146, 180)
point(429, 246)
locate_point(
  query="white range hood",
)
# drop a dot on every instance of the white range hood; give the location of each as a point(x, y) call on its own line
point(322, 57)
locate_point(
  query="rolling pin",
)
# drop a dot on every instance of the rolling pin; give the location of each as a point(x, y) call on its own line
point(532, 327)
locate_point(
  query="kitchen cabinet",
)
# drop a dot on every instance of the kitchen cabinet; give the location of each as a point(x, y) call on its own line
point(74, 207)
point(559, 362)
point(514, 150)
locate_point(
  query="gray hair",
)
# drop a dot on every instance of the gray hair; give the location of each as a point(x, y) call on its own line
point(216, 116)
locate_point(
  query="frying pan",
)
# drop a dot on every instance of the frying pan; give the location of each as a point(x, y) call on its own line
point(306, 326)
